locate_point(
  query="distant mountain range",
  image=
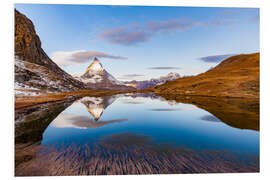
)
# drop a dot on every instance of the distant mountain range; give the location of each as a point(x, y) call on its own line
point(153, 82)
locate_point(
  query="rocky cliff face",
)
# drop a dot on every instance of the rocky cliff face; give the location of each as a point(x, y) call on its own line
point(33, 68)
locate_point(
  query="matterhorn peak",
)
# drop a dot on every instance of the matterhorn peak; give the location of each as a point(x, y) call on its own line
point(95, 66)
point(96, 77)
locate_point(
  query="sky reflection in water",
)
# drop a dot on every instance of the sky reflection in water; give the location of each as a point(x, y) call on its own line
point(89, 120)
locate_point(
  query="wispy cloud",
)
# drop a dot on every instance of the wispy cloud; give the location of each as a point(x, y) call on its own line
point(126, 101)
point(125, 35)
point(130, 76)
point(169, 25)
point(81, 56)
point(164, 109)
point(216, 58)
point(254, 18)
point(164, 68)
point(134, 34)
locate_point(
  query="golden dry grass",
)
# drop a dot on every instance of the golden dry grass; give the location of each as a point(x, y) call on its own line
point(242, 113)
point(24, 101)
point(238, 76)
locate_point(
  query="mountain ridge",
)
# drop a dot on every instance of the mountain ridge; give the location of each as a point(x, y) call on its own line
point(153, 82)
point(29, 56)
point(237, 76)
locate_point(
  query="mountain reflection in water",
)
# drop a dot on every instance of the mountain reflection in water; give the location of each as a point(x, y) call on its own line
point(69, 120)
point(136, 134)
point(96, 105)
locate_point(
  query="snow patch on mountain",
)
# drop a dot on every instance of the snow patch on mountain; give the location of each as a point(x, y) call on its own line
point(93, 100)
point(32, 76)
point(95, 66)
point(19, 93)
point(170, 76)
point(114, 80)
point(94, 79)
point(154, 81)
point(97, 77)
point(18, 85)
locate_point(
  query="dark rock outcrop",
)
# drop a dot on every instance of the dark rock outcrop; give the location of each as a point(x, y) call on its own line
point(30, 58)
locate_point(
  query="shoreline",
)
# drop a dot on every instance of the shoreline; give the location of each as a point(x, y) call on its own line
point(179, 95)
point(26, 101)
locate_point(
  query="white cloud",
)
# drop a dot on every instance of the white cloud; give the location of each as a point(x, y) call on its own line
point(64, 58)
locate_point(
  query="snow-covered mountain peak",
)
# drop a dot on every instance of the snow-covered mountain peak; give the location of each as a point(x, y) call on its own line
point(97, 77)
point(173, 73)
point(171, 76)
point(95, 66)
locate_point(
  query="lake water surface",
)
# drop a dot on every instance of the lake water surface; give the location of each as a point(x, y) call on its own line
point(140, 134)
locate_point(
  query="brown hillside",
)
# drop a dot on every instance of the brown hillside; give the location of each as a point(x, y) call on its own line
point(237, 76)
point(27, 48)
point(27, 44)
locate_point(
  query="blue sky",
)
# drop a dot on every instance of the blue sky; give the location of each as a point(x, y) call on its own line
point(143, 42)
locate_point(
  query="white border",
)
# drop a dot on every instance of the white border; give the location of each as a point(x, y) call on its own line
point(6, 69)
point(207, 3)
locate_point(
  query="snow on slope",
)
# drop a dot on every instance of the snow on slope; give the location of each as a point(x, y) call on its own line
point(30, 77)
point(114, 80)
point(95, 73)
point(95, 66)
point(154, 81)
point(171, 76)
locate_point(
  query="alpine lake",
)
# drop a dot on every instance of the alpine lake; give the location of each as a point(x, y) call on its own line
point(137, 134)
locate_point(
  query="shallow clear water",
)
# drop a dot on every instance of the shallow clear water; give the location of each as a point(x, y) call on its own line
point(89, 120)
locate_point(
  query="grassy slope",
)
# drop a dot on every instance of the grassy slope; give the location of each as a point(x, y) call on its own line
point(242, 113)
point(237, 76)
